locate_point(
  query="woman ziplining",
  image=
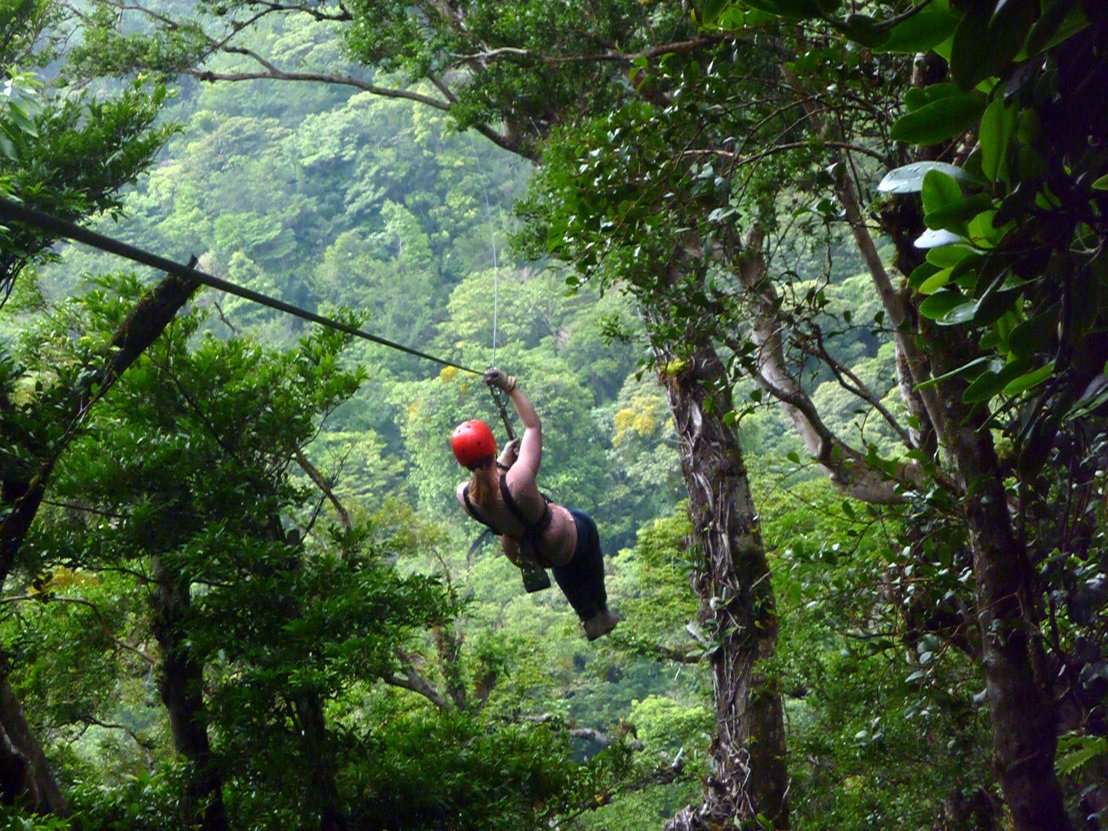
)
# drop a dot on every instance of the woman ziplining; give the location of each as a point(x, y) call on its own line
point(535, 533)
point(503, 495)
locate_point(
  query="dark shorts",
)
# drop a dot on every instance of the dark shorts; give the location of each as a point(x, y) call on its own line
point(582, 578)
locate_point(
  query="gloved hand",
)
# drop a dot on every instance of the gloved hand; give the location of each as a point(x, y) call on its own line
point(495, 378)
point(509, 455)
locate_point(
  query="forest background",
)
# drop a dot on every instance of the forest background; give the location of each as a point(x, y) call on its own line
point(248, 599)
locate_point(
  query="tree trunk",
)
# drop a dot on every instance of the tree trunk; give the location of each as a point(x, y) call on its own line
point(737, 609)
point(1020, 690)
point(25, 775)
point(182, 690)
point(313, 740)
point(318, 758)
point(1019, 684)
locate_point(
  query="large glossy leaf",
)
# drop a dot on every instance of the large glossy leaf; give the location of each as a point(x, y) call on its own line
point(949, 256)
point(921, 273)
point(1029, 380)
point(932, 239)
point(1036, 334)
point(909, 178)
point(988, 37)
point(998, 124)
point(916, 97)
point(939, 191)
point(962, 313)
point(922, 31)
point(710, 10)
point(940, 120)
point(861, 28)
point(936, 281)
point(1049, 29)
point(993, 304)
point(991, 382)
point(938, 305)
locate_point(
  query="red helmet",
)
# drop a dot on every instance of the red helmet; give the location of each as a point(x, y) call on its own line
point(472, 442)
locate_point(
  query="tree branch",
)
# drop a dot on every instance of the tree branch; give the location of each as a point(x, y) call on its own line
point(325, 486)
point(414, 682)
point(608, 56)
point(850, 382)
point(769, 369)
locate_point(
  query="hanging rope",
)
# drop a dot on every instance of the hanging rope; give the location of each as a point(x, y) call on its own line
point(60, 228)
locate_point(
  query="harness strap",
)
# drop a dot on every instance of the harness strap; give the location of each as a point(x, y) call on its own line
point(532, 531)
point(473, 512)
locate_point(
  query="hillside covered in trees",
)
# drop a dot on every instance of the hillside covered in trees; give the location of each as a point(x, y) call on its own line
point(810, 298)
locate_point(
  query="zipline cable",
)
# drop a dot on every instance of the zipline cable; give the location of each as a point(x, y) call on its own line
point(498, 398)
point(56, 227)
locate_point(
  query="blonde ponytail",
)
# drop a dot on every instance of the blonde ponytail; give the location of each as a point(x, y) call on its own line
point(480, 489)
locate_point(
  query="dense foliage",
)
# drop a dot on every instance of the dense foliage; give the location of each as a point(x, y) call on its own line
point(856, 246)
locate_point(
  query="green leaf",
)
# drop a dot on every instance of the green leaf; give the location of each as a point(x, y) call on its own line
point(993, 304)
point(861, 28)
point(922, 31)
point(983, 233)
point(1029, 380)
point(988, 38)
point(998, 124)
point(1101, 183)
point(794, 9)
point(946, 376)
point(950, 255)
point(710, 10)
point(918, 97)
point(909, 178)
point(936, 281)
point(794, 594)
point(969, 57)
point(962, 313)
point(939, 191)
point(955, 215)
point(989, 383)
point(1074, 752)
point(940, 120)
point(938, 305)
point(921, 273)
point(1036, 334)
point(1048, 29)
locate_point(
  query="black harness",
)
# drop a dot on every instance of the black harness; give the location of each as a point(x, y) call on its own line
point(532, 531)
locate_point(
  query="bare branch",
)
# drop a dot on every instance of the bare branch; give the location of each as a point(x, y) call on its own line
point(775, 148)
point(847, 466)
point(318, 77)
point(609, 56)
point(325, 486)
point(413, 681)
point(145, 745)
point(850, 382)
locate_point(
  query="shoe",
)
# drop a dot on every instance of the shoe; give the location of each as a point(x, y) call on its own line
point(600, 624)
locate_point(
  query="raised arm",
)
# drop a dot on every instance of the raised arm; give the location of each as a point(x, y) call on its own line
point(530, 448)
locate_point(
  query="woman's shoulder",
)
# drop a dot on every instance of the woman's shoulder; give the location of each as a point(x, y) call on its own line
point(520, 478)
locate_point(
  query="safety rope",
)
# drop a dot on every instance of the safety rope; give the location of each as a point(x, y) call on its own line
point(60, 228)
